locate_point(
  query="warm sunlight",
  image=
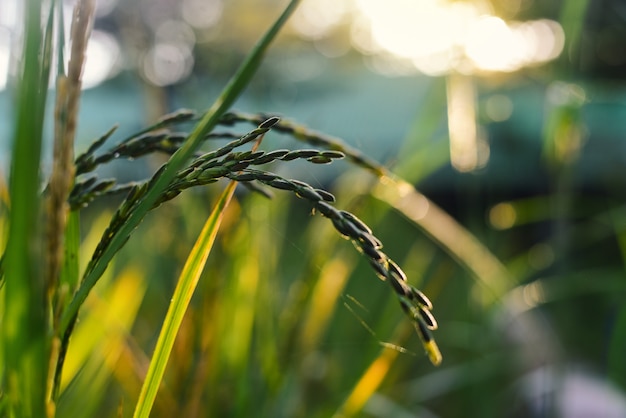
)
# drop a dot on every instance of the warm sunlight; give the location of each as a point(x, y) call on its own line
point(102, 59)
point(466, 35)
point(4, 57)
point(102, 53)
point(8, 17)
point(436, 37)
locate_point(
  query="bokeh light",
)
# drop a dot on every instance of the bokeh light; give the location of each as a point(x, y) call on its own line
point(167, 63)
point(103, 52)
point(202, 14)
point(8, 19)
point(5, 52)
point(316, 19)
point(502, 216)
point(435, 36)
point(492, 45)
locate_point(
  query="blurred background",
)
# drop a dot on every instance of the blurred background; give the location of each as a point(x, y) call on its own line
point(508, 115)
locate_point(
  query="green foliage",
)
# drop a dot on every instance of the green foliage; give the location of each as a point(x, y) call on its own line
point(172, 178)
point(283, 319)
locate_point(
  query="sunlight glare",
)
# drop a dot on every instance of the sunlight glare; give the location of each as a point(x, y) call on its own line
point(440, 36)
point(492, 45)
point(462, 129)
point(417, 30)
point(8, 20)
point(5, 53)
point(9, 12)
point(315, 19)
point(102, 63)
point(361, 36)
point(548, 39)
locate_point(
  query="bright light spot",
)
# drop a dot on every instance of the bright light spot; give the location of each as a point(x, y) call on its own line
point(492, 45)
point(533, 294)
point(502, 216)
point(426, 32)
point(465, 153)
point(8, 13)
point(414, 28)
point(102, 62)
point(314, 19)
point(361, 36)
point(435, 64)
point(8, 20)
point(167, 63)
point(202, 14)
point(5, 53)
point(548, 38)
point(499, 108)
point(440, 36)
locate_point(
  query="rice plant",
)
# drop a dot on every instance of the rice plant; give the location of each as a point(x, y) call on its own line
point(43, 290)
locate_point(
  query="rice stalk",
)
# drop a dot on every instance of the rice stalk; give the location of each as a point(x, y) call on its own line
point(66, 115)
point(413, 302)
point(61, 181)
point(441, 227)
point(225, 162)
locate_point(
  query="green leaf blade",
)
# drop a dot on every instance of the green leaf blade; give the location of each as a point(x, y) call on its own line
point(187, 283)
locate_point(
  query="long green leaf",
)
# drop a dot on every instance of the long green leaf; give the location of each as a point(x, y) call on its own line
point(24, 326)
point(180, 301)
point(176, 162)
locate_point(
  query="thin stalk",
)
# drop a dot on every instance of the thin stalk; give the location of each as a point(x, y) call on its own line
point(62, 179)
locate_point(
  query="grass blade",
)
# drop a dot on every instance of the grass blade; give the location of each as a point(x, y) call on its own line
point(178, 306)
